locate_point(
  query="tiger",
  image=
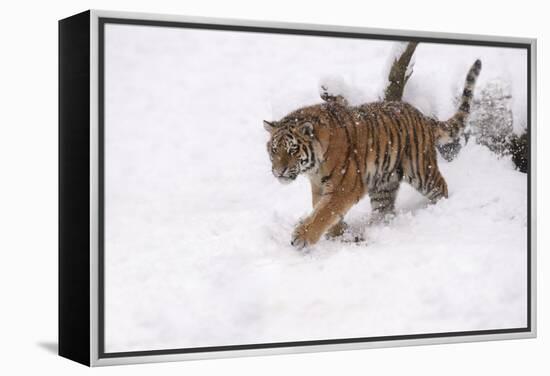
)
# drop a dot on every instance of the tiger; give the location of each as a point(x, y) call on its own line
point(348, 152)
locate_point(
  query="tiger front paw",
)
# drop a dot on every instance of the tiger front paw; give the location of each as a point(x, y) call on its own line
point(299, 237)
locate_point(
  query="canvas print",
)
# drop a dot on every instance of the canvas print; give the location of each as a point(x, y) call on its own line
point(264, 188)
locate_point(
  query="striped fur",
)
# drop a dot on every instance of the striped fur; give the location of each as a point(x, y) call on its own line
point(451, 130)
point(348, 152)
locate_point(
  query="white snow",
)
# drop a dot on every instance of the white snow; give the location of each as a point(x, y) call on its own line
point(440, 71)
point(337, 85)
point(197, 229)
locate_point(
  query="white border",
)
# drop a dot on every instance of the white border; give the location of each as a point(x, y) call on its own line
point(94, 189)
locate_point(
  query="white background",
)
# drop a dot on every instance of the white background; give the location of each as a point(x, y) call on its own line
point(28, 206)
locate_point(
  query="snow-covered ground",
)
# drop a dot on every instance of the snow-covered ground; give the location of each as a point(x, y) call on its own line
point(197, 234)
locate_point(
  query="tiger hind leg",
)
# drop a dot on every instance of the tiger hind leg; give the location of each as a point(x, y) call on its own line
point(433, 187)
point(382, 200)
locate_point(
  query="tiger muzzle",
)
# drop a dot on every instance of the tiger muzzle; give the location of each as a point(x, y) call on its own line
point(284, 176)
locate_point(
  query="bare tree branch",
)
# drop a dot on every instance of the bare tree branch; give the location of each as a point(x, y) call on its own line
point(398, 76)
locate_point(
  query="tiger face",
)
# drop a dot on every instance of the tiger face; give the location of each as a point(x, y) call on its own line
point(290, 149)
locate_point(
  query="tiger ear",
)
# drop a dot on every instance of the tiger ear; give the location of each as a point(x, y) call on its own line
point(333, 99)
point(269, 126)
point(306, 129)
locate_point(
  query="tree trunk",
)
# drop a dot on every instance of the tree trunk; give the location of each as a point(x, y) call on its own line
point(398, 76)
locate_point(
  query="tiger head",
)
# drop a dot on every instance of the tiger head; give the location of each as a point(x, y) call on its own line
point(290, 148)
